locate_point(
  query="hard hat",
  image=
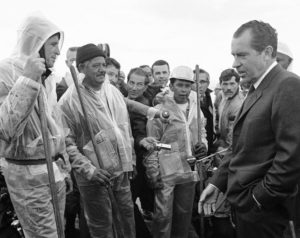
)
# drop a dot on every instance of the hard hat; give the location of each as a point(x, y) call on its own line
point(183, 73)
point(284, 49)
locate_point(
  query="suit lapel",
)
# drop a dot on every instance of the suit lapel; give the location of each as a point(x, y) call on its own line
point(250, 102)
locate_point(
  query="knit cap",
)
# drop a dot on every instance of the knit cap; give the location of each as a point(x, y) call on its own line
point(87, 52)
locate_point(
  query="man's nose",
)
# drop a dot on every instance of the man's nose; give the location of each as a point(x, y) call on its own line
point(184, 90)
point(57, 51)
point(102, 68)
point(236, 63)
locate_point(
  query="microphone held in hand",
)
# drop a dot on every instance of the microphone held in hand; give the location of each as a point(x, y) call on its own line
point(165, 114)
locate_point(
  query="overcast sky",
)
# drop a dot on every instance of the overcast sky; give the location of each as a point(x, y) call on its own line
point(139, 32)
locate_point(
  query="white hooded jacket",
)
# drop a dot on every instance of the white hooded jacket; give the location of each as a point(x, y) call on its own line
point(20, 129)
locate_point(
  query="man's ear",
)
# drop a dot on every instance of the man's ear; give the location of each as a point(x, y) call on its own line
point(81, 68)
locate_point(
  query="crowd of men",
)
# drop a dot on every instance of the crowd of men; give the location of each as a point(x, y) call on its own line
point(130, 157)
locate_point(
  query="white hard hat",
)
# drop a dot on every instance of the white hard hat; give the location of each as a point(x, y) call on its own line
point(183, 73)
point(284, 49)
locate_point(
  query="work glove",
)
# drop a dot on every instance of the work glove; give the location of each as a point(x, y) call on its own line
point(199, 150)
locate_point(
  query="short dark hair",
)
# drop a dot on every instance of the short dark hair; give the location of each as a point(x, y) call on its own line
point(145, 66)
point(227, 74)
point(113, 62)
point(263, 35)
point(159, 63)
point(138, 71)
point(172, 80)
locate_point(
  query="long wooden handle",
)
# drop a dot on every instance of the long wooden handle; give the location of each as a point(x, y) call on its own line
point(199, 125)
point(198, 103)
point(49, 162)
point(117, 223)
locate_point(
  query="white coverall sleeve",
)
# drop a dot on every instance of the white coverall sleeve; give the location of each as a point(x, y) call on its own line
point(154, 129)
point(141, 109)
point(16, 105)
point(79, 162)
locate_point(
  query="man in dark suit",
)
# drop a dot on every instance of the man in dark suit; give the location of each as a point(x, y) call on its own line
point(137, 84)
point(260, 173)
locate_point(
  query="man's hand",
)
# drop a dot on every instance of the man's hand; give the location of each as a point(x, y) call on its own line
point(208, 199)
point(101, 176)
point(132, 174)
point(148, 143)
point(34, 68)
point(156, 183)
point(199, 150)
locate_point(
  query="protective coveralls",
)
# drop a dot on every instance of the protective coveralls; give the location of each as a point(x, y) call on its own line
point(109, 118)
point(21, 140)
point(174, 202)
point(228, 110)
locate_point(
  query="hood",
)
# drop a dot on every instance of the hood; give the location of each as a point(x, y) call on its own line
point(32, 35)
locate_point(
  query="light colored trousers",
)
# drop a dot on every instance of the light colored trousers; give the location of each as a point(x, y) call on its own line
point(173, 210)
point(98, 208)
point(29, 191)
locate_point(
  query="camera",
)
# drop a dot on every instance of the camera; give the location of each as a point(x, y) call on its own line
point(159, 146)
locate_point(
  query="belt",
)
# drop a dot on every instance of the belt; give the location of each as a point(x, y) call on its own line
point(26, 161)
point(32, 161)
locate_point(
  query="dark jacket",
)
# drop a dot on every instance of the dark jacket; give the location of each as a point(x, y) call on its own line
point(207, 109)
point(138, 127)
point(266, 145)
point(151, 92)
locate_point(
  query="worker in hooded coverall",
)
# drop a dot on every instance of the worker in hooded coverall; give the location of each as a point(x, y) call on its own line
point(109, 118)
point(23, 76)
point(169, 171)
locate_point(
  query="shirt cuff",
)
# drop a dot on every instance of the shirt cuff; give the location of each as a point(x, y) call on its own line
point(215, 186)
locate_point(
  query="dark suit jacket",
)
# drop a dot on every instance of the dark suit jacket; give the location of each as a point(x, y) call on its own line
point(265, 156)
point(139, 132)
